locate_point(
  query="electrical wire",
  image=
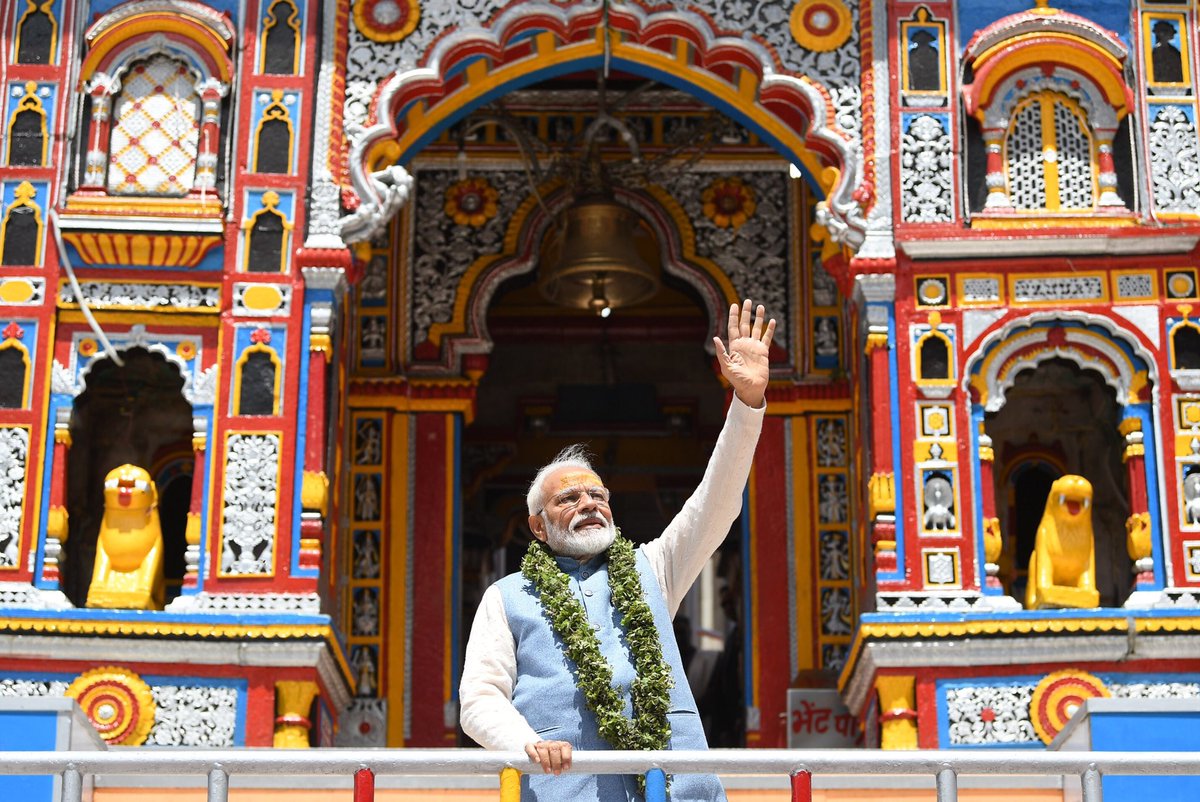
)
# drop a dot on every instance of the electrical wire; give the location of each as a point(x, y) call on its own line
point(65, 261)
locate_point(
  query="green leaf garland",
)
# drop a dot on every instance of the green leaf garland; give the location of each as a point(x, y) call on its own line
point(650, 692)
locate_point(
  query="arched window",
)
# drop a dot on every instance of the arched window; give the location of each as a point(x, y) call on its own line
point(37, 33)
point(1185, 347)
point(14, 374)
point(27, 136)
point(267, 237)
point(257, 390)
point(273, 150)
point(280, 43)
point(156, 130)
point(935, 358)
point(155, 74)
point(1050, 125)
point(21, 231)
point(1049, 156)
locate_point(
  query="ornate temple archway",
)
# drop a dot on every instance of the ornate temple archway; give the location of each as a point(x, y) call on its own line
point(814, 126)
point(420, 385)
point(1089, 375)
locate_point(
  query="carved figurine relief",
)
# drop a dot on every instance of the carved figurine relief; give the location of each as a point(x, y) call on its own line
point(1191, 497)
point(939, 503)
point(1062, 568)
point(128, 573)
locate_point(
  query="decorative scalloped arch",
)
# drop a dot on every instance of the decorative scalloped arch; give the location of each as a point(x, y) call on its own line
point(139, 27)
point(530, 42)
point(1092, 342)
point(1072, 50)
point(168, 355)
point(466, 332)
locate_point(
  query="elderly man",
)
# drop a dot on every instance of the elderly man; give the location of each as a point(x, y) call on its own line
point(577, 651)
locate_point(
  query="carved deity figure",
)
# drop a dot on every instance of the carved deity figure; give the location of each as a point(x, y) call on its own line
point(1062, 568)
point(1191, 497)
point(365, 671)
point(939, 503)
point(128, 573)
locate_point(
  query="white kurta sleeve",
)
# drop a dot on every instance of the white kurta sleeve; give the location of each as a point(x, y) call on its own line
point(679, 555)
point(489, 674)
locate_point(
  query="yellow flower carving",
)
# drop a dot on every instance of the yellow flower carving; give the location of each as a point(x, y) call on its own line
point(471, 202)
point(728, 202)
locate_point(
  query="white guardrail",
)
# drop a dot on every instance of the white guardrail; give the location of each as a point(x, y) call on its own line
point(800, 765)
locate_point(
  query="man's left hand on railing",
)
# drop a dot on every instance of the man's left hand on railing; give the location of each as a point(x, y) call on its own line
point(555, 756)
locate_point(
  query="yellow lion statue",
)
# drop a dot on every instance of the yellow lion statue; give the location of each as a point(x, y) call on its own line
point(1062, 568)
point(128, 572)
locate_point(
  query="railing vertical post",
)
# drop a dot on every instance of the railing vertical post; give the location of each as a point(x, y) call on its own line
point(510, 785)
point(364, 785)
point(947, 785)
point(1093, 789)
point(72, 785)
point(218, 785)
point(802, 786)
point(656, 786)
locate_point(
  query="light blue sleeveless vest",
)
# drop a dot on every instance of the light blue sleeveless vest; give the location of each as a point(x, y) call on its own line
point(546, 694)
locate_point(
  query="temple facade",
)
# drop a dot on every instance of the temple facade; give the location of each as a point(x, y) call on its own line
point(285, 332)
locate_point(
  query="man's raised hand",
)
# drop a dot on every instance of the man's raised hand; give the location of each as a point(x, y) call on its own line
point(744, 363)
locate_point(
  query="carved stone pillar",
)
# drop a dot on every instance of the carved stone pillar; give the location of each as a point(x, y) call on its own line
point(101, 88)
point(1108, 171)
point(56, 523)
point(314, 494)
point(293, 701)
point(211, 92)
point(897, 712)
point(881, 501)
point(993, 543)
point(997, 188)
point(191, 555)
point(876, 293)
point(1137, 525)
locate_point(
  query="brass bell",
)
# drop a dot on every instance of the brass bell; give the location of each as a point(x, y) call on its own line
point(605, 257)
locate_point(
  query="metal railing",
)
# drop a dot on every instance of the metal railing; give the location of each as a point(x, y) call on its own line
point(800, 765)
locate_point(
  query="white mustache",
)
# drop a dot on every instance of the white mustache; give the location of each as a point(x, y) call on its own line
point(584, 518)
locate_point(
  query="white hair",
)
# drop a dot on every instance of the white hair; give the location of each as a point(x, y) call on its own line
point(573, 456)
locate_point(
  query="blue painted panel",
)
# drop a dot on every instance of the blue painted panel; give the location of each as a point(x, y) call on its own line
point(1147, 732)
point(28, 730)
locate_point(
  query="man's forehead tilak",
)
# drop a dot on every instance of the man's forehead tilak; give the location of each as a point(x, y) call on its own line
point(579, 479)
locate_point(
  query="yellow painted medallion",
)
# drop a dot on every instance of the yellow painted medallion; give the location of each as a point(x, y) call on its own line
point(16, 290)
point(262, 298)
point(821, 25)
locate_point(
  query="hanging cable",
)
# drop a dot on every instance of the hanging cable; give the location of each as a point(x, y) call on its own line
point(75, 288)
point(607, 43)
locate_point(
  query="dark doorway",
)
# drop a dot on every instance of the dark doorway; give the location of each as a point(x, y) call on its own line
point(130, 414)
point(1060, 419)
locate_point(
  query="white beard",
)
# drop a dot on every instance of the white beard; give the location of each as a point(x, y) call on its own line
point(567, 542)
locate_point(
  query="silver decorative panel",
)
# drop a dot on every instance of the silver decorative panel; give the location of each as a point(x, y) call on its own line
point(1058, 288)
point(202, 716)
point(1174, 160)
point(14, 450)
point(990, 715)
point(250, 499)
point(926, 165)
point(128, 295)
